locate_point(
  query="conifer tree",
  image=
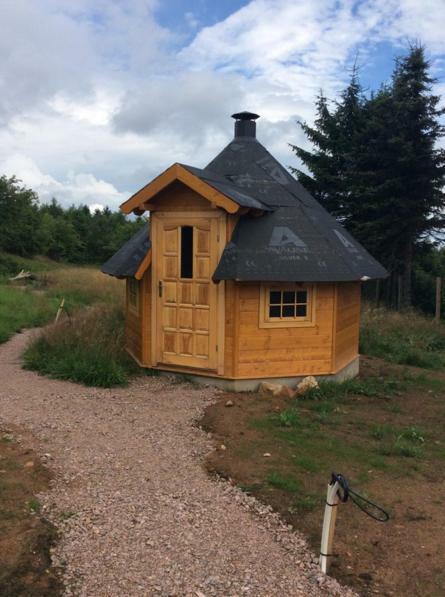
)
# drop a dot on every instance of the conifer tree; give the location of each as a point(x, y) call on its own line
point(380, 156)
point(419, 164)
point(331, 136)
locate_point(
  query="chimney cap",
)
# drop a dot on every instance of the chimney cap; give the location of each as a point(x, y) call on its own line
point(245, 116)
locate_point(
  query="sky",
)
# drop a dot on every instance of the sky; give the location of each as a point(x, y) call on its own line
point(97, 97)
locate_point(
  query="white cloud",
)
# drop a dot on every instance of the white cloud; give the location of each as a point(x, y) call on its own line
point(98, 109)
point(77, 188)
point(96, 99)
point(43, 52)
point(194, 104)
point(416, 20)
point(296, 46)
point(70, 48)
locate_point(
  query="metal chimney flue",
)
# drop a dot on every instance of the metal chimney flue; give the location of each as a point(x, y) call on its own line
point(245, 125)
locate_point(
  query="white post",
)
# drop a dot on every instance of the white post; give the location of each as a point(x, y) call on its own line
point(59, 310)
point(327, 536)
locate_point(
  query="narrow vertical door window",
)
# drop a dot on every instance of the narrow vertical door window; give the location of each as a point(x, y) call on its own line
point(186, 251)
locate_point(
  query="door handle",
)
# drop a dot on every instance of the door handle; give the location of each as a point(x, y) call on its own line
point(160, 288)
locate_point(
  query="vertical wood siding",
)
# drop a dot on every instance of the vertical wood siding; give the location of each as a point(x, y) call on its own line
point(133, 325)
point(347, 323)
point(146, 318)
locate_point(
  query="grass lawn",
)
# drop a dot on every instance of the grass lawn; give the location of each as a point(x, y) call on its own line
point(23, 309)
point(384, 432)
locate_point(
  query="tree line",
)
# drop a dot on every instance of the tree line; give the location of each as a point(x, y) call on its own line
point(75, 235)
point(376, 165)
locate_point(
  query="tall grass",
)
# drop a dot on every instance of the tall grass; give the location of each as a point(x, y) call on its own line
point(26, 304)
point(406, 338)
point(82, 286)
point(22, 309)
point(88, 348)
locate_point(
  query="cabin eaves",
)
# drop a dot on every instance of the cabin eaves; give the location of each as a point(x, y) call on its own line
point(126, 262)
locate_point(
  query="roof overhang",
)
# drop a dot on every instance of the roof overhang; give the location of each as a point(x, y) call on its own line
point(139, 202)
point(144, 265)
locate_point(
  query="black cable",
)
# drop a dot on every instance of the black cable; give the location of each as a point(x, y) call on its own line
point(347, 492)
point(383, 518)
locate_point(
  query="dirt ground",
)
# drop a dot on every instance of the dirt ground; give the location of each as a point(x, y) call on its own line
point(290, 468)
point(25, 537)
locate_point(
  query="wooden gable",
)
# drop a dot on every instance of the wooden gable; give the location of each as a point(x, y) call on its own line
point(143, 200)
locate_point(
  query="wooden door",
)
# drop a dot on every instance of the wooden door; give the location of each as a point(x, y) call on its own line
point(185, 255)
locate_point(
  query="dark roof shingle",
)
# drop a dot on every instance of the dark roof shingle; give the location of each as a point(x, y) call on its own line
point(126, 261)
point(298, 241)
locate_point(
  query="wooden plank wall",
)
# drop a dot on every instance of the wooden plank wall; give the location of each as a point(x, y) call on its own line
point(146, 318)
point(179, 197)
point(280, 352)
point(133, 327)
point(347, 323)
point(231, 313)
point(229, 329)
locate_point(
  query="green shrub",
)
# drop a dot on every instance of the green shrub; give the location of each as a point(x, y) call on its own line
point(407, 450)
point(413, 435)
point(88, 348)
point(407, 442)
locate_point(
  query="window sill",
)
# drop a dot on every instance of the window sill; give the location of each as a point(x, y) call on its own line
point(286, 324)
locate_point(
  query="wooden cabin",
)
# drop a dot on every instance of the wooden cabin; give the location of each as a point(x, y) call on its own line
point(240, 275)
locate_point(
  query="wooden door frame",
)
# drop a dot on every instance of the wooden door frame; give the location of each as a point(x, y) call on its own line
point(155, 218)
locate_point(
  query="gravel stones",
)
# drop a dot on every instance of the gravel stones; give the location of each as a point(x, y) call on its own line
point(136, 511)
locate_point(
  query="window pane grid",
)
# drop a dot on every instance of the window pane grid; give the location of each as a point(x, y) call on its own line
point(288, 304)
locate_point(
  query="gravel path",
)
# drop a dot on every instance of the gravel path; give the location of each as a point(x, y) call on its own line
point(137, 512)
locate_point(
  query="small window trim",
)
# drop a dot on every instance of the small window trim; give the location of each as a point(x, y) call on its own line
point(266, 322)
point(133, 292)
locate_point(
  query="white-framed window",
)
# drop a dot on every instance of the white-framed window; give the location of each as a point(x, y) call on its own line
point(133, 294)
point(286, 305)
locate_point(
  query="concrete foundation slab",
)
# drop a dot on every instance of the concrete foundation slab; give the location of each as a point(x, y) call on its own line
point(251, 385)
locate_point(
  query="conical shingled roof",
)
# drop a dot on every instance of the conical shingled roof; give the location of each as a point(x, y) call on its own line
point(293, 240)
point(298, 241)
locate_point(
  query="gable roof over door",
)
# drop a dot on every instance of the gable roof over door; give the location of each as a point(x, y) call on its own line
point(217, 189)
